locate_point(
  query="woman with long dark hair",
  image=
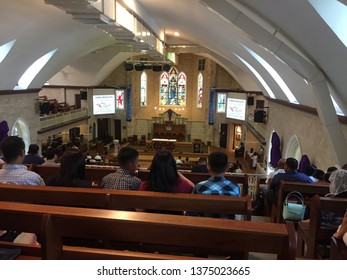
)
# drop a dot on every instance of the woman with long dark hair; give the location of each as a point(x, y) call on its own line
point(164, 177)
point(72, 171)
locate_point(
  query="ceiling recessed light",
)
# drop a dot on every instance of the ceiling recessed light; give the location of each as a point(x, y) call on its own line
point(176, 34)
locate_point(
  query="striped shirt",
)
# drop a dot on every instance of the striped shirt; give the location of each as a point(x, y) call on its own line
point(121, 180)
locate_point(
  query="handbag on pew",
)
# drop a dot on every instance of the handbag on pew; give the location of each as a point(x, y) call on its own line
point(294, 211)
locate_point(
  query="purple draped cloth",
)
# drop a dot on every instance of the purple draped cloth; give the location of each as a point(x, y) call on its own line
point(275, 153)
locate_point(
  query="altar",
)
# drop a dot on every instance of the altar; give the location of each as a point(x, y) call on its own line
point(161, 143)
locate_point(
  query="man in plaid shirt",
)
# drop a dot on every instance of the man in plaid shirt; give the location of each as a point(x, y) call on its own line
point(123, 178)
point(217, 184)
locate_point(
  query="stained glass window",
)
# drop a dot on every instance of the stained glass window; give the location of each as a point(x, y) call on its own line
point(120, 99)
point(221, 102)
point(200, 88)
point(173, 88)
point(143, 99)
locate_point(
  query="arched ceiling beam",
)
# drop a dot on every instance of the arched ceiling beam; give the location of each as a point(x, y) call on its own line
point(298, 63)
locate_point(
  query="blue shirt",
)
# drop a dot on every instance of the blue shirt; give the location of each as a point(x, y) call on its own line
point(289, 176)
point(217, 186)
point(19, 175)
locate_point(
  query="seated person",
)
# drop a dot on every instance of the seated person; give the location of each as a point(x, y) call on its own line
point(341, 232)
point(337, 188)
point(217, 184)
point(239, 151)
point(71, 172)
point(32, 157)
point(164, 177)
point(179, 160)
point(201, 166)
point(124, 178)
point(290, 175)
point(278, 169)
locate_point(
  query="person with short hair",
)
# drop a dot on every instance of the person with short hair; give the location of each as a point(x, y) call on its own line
point(201, 166)
point(13, 171)
point(217, 184)
point(279, 169)
point(32, 157)
point(123, 178)
point(291, 175)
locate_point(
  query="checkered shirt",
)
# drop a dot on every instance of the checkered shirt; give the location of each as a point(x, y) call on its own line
point(121, 180)
point(217, 186)
point(20, 175)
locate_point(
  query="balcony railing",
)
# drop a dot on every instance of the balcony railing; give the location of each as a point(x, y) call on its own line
point(61, 118)
point(258, 129)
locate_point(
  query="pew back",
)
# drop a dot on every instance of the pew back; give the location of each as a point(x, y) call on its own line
point(191, 235)
point(116, 199)
point(306, 189)
point(313, 233)
point(95, 175)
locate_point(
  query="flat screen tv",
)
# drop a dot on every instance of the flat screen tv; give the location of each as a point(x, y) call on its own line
point(104, 104)
point(236, 108)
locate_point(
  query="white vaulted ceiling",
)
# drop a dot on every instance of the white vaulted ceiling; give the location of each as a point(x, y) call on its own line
point(287, 43)
point(289, 50)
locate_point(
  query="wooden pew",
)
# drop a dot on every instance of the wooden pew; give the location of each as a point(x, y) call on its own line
point(198, 177)
point(95, 175)
point(116, 199)
point(189, 235)
point(36, 252)
point(312, 234)
point(306, 189)
point(338, 249)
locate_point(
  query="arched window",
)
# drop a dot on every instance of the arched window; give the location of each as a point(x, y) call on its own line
point(200, 88)
point(173, 88)
point(164, 88)
point(143, 98)
point(293, 148)
point(21, 129)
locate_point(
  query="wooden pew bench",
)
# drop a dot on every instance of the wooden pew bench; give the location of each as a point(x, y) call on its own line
point(36, 252)
point(124, 199)
point(181, 234)
point(312, 234)
point(306, 189)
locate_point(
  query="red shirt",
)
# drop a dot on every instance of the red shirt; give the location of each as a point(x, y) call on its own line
point(182, 186)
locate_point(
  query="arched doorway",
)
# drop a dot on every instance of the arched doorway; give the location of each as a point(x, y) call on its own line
point(293, 148)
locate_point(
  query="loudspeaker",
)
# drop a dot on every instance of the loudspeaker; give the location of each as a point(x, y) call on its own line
point(166, 67)
point(250, 100)
point(83, 94)
point(259, 116)
point(128, 66)
point(139, 67)
point(147, 66)
point(156, 68)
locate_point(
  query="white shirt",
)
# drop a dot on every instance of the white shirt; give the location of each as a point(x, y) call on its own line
point(273, 173)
